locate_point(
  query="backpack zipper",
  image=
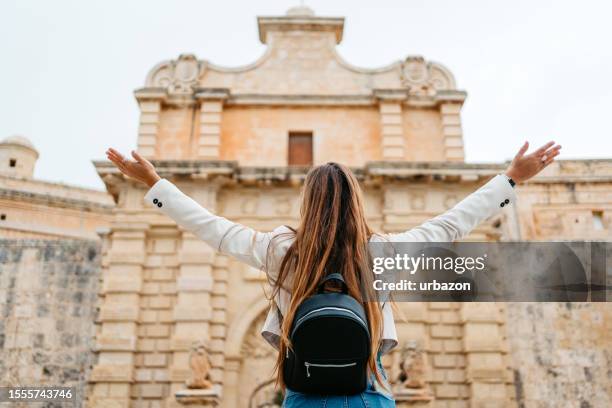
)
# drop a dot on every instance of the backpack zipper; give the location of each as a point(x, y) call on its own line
point(308, 365)
point(328, 308)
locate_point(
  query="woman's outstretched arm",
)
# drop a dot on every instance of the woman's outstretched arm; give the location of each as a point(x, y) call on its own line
point(488, 200)
point(243, 243)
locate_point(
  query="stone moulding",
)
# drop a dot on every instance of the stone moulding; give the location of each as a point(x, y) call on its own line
point(230, 172)
point(261, 99)
point(50, 200)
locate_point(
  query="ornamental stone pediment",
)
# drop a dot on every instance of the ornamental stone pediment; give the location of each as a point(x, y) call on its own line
point(301, 60)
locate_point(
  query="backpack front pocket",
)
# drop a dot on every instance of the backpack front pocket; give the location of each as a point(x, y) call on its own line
point(329, 366)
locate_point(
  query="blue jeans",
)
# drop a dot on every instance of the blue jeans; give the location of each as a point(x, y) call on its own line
point(372, 397)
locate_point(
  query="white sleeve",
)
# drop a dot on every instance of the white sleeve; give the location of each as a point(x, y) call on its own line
point(465, 216)
point(243, 243)
point(389, 337)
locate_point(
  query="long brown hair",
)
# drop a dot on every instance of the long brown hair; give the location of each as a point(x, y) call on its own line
point(332, 236)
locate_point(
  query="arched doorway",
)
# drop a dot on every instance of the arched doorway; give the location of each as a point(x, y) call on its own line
point(255, 378)
point(266, 395)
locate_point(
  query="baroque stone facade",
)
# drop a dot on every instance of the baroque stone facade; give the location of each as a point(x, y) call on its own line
point(222, 135)
point(179, 324)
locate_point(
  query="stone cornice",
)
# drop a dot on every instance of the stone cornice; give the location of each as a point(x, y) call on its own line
point(391, 95)
point(301, 100)
point(52, 188)
point(450, 96)
point(55, 201)
point(45, 230)
point(212, 93)
point(262, 99)
point(379, 172)
point(299, 23)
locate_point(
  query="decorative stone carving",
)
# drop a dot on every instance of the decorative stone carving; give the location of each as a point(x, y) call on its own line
point(177, 76)
point(450, 200)
point(415, 70)
point(425, 78)
point(249, 204)
point(411, 383)
point(200, 367)
point(417, 202)
point(412, 366)
point(283, 206)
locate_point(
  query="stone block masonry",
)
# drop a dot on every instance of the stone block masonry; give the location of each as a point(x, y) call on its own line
point(48, 296)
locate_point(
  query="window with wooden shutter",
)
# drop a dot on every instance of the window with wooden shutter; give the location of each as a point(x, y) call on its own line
point(300, 148)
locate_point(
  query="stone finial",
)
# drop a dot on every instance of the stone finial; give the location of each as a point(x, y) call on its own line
point(200, 367)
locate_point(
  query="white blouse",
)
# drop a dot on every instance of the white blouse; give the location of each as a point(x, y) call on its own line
point(251, 247)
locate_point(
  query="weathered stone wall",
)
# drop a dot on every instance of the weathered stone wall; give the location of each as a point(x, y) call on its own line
point(48, 296)
point(561, 354)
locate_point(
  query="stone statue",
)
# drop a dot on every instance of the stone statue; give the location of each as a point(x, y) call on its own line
point(200, 367)
point(412, 366)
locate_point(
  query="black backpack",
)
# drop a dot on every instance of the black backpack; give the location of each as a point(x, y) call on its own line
point(331, 344)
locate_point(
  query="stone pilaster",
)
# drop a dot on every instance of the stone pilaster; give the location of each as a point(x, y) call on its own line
point(231, 385)
point(148, 126)
point(485, 354)
point(412, 327)
point(194, 311)
point(392, 133)
point(451, 131)
point(447, 375)
point(113, 374)
point(211, 109)
point(218, 324)
point(156, 321)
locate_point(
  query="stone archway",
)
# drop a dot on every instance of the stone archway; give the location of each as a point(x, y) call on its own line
point(256, 369)
point(266, 395)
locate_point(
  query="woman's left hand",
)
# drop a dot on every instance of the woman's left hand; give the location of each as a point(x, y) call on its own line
point(523, 167)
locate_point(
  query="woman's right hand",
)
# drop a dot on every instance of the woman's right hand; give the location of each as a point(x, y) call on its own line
point(139, 169)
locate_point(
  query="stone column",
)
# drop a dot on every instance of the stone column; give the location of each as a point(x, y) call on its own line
point(113, 375)
point(150, 107)
point(484, 347)
point(451, 131)
point(211, 109)
point(392, 133)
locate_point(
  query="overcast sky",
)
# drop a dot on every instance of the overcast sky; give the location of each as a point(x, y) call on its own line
point(533, 70)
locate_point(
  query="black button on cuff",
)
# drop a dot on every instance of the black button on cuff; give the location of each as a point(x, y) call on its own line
point(159, 204)
point(155, 201)
point(502, 204)
point(507, 201)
